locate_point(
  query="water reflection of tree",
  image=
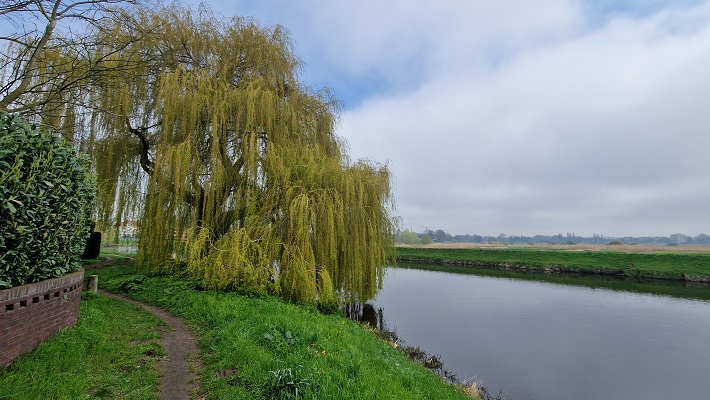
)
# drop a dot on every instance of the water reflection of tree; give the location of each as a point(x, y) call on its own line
point(366, 313)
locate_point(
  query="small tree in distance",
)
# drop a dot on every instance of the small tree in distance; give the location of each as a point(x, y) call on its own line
point(426, 239)
point(441, 236)
point(408, 237)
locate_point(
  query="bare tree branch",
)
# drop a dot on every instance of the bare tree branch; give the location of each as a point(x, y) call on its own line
point(21, 76)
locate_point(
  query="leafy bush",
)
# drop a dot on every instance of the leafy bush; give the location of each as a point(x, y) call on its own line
point(46, 196)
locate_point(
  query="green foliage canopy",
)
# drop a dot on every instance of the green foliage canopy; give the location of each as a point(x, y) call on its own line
point(46, 197)
point(408, 237)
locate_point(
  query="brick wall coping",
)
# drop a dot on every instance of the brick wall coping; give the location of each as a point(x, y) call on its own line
point(32, 289)
point(30, 314)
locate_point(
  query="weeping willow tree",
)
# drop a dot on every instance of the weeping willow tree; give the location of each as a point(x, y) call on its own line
point(201, 127)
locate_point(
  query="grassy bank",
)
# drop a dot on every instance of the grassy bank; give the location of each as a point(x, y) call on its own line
point(109, 354)
point(265, 348)
point(667, 265)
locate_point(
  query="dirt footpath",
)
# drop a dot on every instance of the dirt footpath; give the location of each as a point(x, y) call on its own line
point(180, 368)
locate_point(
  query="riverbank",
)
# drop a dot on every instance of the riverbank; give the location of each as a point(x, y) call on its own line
point(252, 347)
point(668, 265)
point(263, 347)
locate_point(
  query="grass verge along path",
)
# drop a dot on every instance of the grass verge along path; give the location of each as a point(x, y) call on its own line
point(692, 267)
point(265, 348)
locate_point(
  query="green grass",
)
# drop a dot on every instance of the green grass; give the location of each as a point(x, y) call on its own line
point(109, 354)
point(265, 348)
point(667, 265)
point(118, 257)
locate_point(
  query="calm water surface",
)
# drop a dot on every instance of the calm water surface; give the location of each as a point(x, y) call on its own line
point(547, 341)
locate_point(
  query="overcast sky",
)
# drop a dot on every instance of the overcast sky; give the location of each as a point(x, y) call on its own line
point(519, 117)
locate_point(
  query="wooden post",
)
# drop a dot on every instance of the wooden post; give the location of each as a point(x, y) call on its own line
point(93, 283)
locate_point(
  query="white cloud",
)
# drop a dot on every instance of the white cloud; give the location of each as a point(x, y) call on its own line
point(571, 134)
point(517, 116)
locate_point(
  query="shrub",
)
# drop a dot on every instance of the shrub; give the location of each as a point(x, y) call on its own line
point(426, 239)
point(408, 237)
point(46, 196)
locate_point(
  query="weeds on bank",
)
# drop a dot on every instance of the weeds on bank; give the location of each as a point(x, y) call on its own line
point(110, 354)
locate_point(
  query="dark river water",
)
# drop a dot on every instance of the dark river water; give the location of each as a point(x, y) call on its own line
point(550, 340)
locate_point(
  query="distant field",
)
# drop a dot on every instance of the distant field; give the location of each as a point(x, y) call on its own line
point(629, 248)
point(633, 261)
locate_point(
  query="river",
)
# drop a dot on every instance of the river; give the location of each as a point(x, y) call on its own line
point(545, 340)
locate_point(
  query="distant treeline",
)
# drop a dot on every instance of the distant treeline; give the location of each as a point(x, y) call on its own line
point(441, 236)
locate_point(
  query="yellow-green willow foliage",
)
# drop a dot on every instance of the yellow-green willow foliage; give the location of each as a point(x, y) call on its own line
point(235, 165)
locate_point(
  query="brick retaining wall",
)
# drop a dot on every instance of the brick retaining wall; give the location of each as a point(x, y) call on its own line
point(30, 314)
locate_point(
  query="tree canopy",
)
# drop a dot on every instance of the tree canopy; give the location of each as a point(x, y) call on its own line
point(201, 127)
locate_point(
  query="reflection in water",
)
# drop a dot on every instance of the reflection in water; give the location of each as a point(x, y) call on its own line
point(678, 289)
point(366, 313)
point(548, 340)
point(373, 316)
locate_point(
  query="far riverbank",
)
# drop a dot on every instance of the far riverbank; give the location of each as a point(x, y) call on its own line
point(691, 267)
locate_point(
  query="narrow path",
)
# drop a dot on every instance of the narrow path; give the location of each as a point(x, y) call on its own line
point(181, 365)
point(179, 368)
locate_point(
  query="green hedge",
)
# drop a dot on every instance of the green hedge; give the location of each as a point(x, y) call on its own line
point(46, 197)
